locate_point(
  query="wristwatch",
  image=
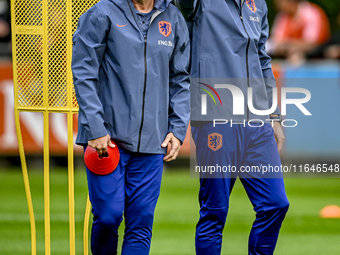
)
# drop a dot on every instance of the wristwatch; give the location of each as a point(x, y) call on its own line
point(276, 118)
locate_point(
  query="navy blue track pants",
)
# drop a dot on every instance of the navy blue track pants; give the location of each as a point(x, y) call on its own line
point(133, 190)
point(241, 147)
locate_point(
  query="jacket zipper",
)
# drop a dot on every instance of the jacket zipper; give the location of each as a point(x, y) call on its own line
point(247, 50)
point(145, 76)
point(144, 91)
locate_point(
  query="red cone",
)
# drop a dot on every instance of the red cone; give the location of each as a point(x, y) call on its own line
point(102, 165)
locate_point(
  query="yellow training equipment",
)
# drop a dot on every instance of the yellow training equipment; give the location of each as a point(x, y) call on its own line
point(42, 51)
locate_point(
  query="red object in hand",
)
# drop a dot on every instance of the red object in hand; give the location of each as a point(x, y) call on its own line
point(102, 164)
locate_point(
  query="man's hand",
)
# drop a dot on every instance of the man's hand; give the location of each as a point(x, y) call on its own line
point(175, 146)
point(279, 136)
point(101, 143)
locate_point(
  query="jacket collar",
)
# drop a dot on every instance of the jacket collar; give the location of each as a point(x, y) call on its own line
point(238, 3)
point(160, 5)
point(126, 5)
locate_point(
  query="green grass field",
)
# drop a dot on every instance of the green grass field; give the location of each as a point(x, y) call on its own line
point(303, 232)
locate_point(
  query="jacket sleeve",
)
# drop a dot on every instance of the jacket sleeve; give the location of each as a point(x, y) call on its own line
point(265, 60)
point(187, 7)
point(89, 43)
point(179, 86)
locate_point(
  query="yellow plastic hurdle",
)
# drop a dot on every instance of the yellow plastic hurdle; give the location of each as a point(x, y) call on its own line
point(42, 50)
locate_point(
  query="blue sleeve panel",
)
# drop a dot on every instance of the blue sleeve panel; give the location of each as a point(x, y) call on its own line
point(88, 51)
point(179, 90)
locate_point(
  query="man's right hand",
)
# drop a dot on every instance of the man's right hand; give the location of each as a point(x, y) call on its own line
point(279, 136)
point(101, 143)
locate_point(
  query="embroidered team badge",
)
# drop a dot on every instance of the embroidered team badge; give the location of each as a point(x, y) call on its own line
point(215, 141)
point(164, 28)
point(251, 5)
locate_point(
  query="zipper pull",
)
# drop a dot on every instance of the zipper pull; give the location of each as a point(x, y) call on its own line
point(241, 17)
point(145, 38)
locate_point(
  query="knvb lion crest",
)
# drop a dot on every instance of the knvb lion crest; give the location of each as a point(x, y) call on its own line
point(251, 5)
point(215, 141)
point(165, 28)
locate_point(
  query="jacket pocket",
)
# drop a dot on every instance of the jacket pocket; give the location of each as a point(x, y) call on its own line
point(108, 116)
point(203, 67)
point(203, 70)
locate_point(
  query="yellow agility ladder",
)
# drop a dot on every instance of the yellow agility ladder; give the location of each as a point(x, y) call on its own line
point(42, 51)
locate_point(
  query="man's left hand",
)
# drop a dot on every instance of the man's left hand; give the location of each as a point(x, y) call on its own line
point(175, 146)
